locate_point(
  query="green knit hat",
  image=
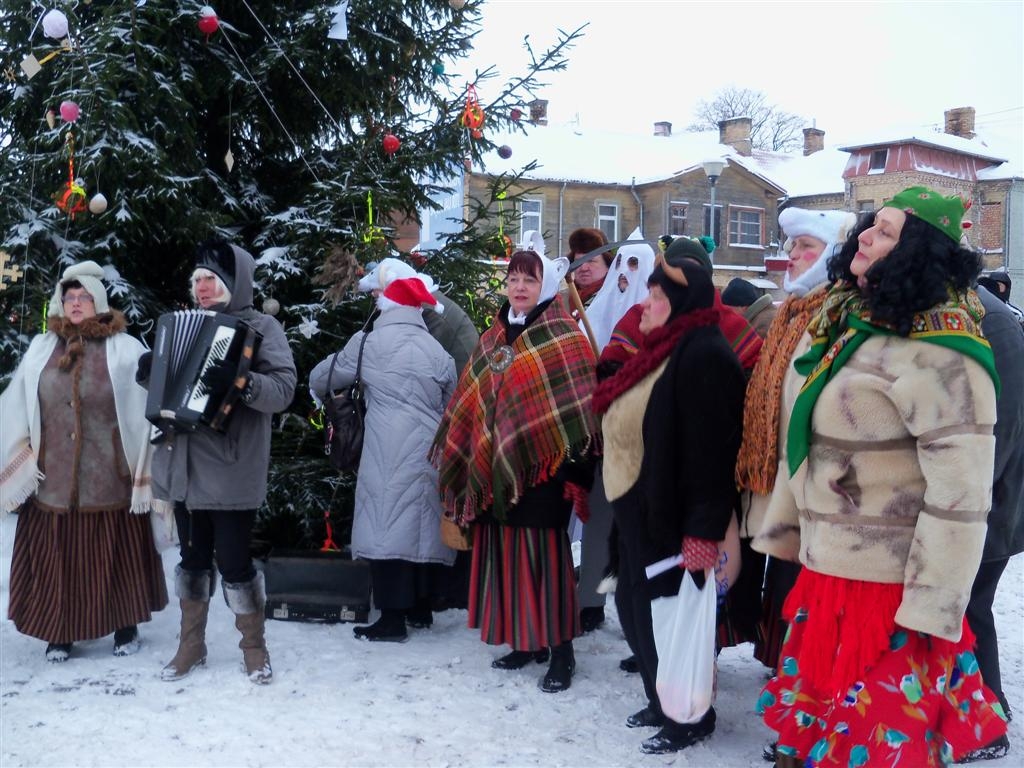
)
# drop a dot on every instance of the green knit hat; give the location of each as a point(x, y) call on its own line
point(944, 213)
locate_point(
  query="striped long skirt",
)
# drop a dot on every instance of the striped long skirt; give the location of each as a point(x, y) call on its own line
point(522, 588)
point(79, 576)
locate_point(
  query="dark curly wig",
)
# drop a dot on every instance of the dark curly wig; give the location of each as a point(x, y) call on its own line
point(915, 276)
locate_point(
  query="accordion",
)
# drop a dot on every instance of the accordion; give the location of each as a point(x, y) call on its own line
point(188, 342)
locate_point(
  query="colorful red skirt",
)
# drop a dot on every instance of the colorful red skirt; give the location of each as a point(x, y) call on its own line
point(921, 702)
point(522, 589)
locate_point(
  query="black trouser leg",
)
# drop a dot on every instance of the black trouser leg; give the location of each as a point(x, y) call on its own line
point(224, 533)
point(394, 584)
point(982, 623)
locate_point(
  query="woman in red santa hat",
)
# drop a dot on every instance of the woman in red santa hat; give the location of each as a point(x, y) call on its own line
point(407, 379)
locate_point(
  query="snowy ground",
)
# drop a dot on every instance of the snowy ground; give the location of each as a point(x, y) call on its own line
point(336, 701)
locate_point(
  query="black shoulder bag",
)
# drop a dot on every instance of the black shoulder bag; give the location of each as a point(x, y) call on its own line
point(346, 411)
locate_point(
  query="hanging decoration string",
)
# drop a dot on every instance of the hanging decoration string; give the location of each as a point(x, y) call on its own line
point(292, 65)
point(270, 106)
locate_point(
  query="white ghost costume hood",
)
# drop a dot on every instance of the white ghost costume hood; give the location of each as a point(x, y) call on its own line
point(624, 287)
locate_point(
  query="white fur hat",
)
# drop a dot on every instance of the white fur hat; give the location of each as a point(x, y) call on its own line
point(830, 227)
point(827, 226)
point(90, 275)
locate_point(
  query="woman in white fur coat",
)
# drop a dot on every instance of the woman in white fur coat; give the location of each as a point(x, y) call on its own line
point(75, 462)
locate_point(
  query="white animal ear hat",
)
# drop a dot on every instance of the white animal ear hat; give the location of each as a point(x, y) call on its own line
point(90, 275)
point(554, 271)
point(532, 241)
point(387, 271)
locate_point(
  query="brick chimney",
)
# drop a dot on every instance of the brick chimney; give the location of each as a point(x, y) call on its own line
point(960, 122)
point(736, 133)
point(663, 128)
point(814, 140)
point(539, 111)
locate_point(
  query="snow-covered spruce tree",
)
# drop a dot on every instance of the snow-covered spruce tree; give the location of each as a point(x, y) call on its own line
point(258, 128)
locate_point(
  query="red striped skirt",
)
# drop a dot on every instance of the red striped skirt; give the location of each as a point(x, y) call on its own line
point(79, 576)
point(522, 589)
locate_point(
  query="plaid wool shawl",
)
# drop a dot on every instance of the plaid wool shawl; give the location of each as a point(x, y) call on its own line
point(508, 430)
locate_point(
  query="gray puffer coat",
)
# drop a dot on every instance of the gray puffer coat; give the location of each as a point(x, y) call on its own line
point(209, 470)
point(408, 379)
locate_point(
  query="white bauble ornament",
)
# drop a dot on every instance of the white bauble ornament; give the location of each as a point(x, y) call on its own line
point(457, 4)
point(55, 24)
point(271, 307)
point(98, 204)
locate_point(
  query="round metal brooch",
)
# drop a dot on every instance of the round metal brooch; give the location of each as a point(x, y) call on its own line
point(501, 359)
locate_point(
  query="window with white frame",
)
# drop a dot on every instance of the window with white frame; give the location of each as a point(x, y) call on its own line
point(608, 220)
point(530, 215)
point(745, 226)
point(879, 157)
point(677, 218)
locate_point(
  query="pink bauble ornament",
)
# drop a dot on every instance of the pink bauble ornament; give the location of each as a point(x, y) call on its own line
point(504, 151)
point(516, 114)
point(391, 143)
point(69, 111)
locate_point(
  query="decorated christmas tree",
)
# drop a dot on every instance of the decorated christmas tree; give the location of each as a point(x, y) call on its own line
point(305, 132)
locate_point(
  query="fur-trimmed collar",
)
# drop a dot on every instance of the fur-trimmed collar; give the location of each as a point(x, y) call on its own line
point(99, 327)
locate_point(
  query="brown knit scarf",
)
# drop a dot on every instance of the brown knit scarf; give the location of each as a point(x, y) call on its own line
point(758, 459)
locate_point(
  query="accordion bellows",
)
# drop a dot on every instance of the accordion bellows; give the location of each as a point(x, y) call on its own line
point(189, 342)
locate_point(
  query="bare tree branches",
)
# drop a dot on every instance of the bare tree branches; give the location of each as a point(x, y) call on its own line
point(770, 127)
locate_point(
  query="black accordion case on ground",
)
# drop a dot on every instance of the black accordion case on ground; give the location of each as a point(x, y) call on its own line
point(312, 585)
point(187, 343)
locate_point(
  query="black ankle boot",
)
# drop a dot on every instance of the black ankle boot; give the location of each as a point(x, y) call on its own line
point(591, 618)
point(420, 616)
point(389, 628)
point(519, 659)
point(126, 641)
point(561, 669)
point(630, 665)
point(57, 653)
point(675, 736)
point(648, 717)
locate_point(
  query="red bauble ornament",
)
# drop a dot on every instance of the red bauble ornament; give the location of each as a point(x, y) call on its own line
point(504, 151)
point(391, 143)
point(515, 114)
point(208, 21)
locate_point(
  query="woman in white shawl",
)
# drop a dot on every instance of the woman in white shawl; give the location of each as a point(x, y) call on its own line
point(74, 460)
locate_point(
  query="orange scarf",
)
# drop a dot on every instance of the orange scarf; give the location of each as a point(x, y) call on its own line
point(758, 459)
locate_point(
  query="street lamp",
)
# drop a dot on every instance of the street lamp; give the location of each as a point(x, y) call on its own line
point(713, 169)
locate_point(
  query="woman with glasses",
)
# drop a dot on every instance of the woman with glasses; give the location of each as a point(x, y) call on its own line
point(75, 462)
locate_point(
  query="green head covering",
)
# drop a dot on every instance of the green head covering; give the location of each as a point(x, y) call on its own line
point(693, 248)
point(944, 213)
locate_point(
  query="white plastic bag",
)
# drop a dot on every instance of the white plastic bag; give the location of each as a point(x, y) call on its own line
point(684, 635)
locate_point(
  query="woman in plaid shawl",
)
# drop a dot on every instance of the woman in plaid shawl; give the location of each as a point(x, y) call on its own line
point(512, 452)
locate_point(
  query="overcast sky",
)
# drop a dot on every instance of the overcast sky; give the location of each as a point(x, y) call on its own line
point(845, 66)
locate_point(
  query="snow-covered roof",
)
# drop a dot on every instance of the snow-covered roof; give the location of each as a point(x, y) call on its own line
point(975, 147)
point(570, 154)
point(567, 153)
point(818, 174)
